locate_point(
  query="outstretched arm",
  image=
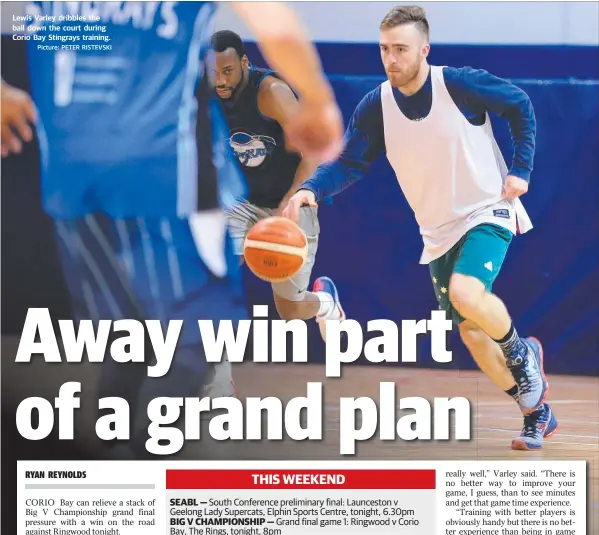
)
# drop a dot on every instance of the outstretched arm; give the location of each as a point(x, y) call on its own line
point(364, 143)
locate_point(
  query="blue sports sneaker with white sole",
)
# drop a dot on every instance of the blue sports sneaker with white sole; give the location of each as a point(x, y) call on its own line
point(529, 376)
point(326, 285)
point(539, 425)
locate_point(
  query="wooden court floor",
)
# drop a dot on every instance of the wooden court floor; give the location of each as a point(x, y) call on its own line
point(496, 418)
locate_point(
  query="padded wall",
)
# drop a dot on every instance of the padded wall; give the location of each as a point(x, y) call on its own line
point(370, 244)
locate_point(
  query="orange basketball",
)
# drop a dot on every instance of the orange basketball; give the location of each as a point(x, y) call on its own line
point(275, 249)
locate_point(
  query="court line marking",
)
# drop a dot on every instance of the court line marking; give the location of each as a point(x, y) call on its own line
point(548, 441)
point(511, 431)
point(519, 419)
point(330, 407)
point(335, 409)
point(499, 417)
point(553, 402)
point(500, 430)
point(474, 439)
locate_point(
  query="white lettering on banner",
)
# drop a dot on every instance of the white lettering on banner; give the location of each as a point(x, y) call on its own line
point(438, 325)
point(94, 342)
point(416, 425)
point(143, 16)
point(236, 423)
point(223, 337)
point(66, 403)
point(299, 479)
point(300, 418)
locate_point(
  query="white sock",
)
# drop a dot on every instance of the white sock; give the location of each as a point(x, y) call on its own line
point(222, 382)
point(223, 372)
point(327, 309)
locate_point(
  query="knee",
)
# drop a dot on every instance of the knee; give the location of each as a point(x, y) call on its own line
point(466, 294)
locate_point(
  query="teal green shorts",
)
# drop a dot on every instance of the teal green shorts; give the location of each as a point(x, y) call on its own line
point(479, 253)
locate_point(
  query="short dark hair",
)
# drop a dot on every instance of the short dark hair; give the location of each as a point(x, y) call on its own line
point(401, 15)
point(225, 39)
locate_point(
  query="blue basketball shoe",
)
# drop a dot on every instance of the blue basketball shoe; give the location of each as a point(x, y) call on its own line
point(529, 375)
point(538, 425)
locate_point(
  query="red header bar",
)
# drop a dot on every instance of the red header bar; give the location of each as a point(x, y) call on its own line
point(300, 479)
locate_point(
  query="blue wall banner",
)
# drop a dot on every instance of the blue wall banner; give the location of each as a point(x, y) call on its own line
point(370, 243)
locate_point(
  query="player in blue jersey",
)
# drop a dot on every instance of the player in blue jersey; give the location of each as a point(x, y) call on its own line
point(433, 126)
point(136, 199)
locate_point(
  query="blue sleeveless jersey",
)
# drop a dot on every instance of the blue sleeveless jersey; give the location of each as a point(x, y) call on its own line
point(123, 97)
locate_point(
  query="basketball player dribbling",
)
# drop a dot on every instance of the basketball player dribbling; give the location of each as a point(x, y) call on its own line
point(257, 104)
point(433, 125)
point(137, 202)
